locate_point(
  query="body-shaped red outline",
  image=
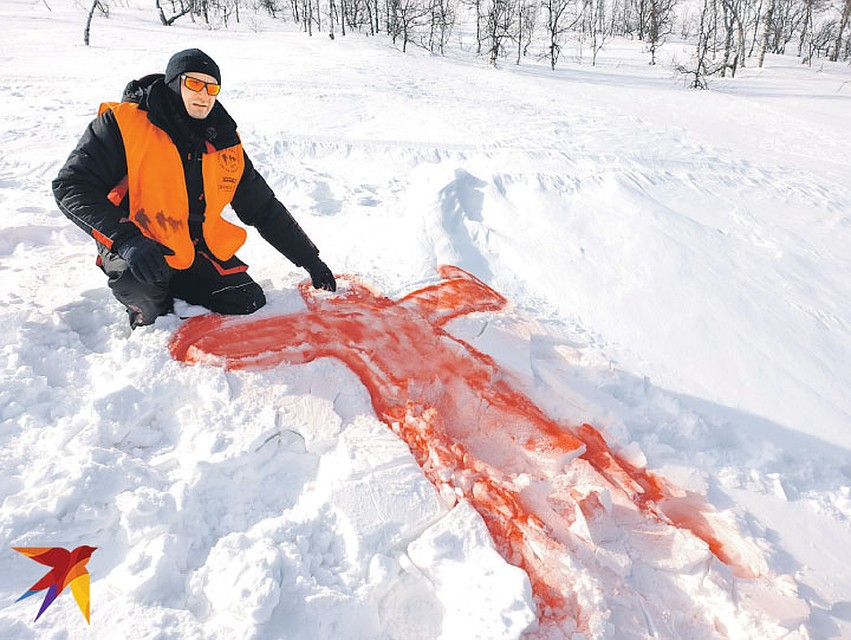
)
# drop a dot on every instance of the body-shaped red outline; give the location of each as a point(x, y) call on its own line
point(474, 434)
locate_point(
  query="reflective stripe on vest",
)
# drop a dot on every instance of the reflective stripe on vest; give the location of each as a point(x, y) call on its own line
point(159, 204)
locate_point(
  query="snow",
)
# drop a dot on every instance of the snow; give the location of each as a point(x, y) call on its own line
point(678, 271)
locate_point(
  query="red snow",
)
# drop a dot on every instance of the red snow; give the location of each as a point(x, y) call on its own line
point(473, 433)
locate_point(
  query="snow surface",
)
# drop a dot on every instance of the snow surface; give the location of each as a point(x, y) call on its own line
point(679, 271)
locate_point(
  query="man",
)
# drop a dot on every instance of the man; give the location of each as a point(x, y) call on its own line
point(149, 180)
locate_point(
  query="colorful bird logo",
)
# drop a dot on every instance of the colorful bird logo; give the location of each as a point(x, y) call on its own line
point(67, 568)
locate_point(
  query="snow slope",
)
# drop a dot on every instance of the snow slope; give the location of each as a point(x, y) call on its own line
point(678, 268)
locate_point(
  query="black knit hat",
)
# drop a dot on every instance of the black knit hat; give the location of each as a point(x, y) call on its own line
point(191, 60)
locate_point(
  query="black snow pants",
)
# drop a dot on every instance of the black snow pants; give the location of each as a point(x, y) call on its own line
point(223, 287)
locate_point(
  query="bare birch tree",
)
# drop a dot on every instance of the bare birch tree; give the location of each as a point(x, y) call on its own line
point(703, 67)
point(659, 23)
point(558, 24)
point(96, 5)
point(177, 13)
point(441, 21)
point(593, 27)
point(843, 24)
point(500, 28)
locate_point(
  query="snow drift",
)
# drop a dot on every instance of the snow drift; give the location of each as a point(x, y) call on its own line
point(677, 274)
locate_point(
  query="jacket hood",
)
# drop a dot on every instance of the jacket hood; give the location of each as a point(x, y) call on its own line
point(166, 111)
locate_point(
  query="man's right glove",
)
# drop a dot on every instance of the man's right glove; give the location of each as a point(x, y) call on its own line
point(146, 259)
point(321, 276)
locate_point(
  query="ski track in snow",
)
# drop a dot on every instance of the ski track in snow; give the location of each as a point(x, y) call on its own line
point(677, 263)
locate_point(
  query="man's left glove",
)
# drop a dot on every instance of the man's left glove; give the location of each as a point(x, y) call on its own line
point(321, 276)
point(146, 259)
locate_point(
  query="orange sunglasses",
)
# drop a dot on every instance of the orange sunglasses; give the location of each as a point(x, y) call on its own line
point(194, 84)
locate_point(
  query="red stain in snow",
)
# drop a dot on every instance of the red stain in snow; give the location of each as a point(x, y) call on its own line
point(472, 432)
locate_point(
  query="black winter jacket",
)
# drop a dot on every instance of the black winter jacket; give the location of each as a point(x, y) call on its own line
point(99, 163)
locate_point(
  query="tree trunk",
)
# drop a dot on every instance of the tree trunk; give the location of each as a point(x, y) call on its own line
point(846, 14)
point(95, 5)
point(768, 25)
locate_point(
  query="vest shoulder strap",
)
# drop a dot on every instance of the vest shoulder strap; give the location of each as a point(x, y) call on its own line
point(118, 107)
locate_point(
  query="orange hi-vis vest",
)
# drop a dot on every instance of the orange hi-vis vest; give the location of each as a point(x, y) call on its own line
point(159, 203)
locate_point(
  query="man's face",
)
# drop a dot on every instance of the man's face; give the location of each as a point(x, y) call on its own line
point(198, 103)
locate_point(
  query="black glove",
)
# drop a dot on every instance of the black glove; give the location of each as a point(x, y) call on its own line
point(146, 259)
point(321, 275)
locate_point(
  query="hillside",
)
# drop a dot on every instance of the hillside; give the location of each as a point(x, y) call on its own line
point(676, 273)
